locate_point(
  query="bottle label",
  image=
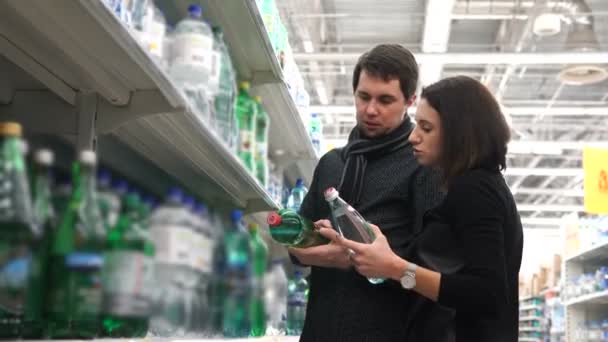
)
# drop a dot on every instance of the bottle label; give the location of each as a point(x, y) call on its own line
point(246, 141)
point(193, 49)
point(155, 39)
point(173, 244)
point(109, 205)
point(127, 283)
point(201, 252)
point(261, 148)
point(15, 270)
point(216, 64)
point(78, 281)
point(297, 299)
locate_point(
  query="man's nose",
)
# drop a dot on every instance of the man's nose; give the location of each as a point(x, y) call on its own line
point(372, 108)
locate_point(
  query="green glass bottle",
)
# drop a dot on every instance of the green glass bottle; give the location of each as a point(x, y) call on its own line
point(288, 228)
point(246, 111)
point(18, 232)
point(262, 128)
point(127, 274)
point(75, 294)
point(257, 313)
point(44, 214)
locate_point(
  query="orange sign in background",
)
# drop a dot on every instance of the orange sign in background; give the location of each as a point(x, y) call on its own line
point(595, 163)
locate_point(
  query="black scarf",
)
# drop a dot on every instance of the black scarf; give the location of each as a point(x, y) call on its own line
point(356, 153)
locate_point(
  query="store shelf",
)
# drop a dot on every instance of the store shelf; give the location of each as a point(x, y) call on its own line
point(87, 76)
point(533, 329)
point(594, 252)
point(593, 298)
point(529, 339)
point(255, 60)
point(530, 307)
point(530, 318)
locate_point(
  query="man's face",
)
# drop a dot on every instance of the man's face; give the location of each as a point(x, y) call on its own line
point(380, 105)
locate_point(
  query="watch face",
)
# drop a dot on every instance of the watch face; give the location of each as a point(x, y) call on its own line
point(408, 281)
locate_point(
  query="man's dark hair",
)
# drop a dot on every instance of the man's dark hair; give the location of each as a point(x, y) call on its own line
point(475, 133)
point(388, 62)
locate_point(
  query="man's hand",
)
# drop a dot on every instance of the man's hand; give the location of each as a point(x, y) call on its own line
point(330, 255)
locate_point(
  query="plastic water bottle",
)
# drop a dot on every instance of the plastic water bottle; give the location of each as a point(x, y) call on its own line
point(202, 263)
point(246, 111)
point(297, 298)
point(192, 49)
point(110, 198)
point(225, 97)
point(349, 223)
point(170, 231)
point(289, 228)
point(275, 284)
point(260, 260)
point(149, 28)
point(296, 197)
point(262, 128)
point(217, 281)
point(236, 322)
point(316, 131)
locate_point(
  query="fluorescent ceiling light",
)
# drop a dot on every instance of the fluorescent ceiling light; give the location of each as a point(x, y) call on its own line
point(321, 92)
point(308, 47)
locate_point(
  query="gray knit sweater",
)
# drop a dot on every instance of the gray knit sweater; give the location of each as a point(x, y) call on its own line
point(343, 305)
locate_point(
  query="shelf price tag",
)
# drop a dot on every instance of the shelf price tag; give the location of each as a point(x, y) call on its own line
point(595, 163)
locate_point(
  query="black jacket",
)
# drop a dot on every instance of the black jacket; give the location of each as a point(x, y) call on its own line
point(343, 305)
point(479, 226)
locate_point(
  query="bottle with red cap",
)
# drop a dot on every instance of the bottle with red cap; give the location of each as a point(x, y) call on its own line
point(288, 228)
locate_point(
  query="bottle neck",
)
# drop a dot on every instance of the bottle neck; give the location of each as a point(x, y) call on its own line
point(42, 193)
point(13, 152)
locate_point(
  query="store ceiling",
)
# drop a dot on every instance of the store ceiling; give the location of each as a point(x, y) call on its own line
point(328, 35)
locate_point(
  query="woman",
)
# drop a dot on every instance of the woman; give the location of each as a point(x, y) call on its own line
point(470, 248)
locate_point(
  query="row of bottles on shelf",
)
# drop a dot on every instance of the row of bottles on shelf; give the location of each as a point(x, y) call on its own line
point(593, 230)
point(586, 283)
point(198, 61)
point(88, 256)
point(591, 331)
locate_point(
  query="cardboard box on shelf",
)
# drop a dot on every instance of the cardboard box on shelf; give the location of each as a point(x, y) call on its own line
point(555, 271)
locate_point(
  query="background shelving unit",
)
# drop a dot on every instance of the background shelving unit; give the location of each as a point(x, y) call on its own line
point(584, 307)
point(531, 318)
point(76, 73)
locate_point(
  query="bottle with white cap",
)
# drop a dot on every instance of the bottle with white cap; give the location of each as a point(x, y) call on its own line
point(44, 216)
point(349, 223)
point(75, 291)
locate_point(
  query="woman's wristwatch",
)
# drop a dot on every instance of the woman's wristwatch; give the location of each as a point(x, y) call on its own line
point(408, 280)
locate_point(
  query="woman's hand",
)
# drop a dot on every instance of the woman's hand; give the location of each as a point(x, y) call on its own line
point(375, 260)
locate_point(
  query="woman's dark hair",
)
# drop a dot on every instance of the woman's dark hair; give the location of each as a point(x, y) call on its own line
point(388, 62)
point(475, 133)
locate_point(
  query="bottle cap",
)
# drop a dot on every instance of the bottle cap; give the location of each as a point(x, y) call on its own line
point(236, 215)
point(299, 183)
point(175, 195)
point(88, 157)
point(331, 194)
point(253, 227)
point(195, 11)
point(258, 99)
point(245, 85)
point(274, 219)
point(44, 157)
point(10, 128)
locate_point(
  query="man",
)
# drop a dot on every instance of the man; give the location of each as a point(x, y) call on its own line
point(376, 173)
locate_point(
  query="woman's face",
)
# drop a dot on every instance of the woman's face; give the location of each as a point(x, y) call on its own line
point(426, 136)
